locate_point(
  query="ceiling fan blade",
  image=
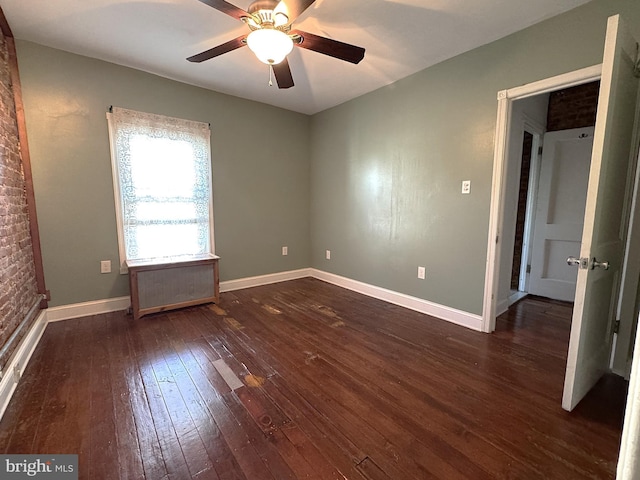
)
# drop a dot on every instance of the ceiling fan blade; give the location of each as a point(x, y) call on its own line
point(283, 75)
point(327, 46)
point(293, 8)
point(226, 7)
point(219, 50)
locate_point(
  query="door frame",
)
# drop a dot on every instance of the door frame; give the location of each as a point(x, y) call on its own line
point(499, 180)
point(537, 131)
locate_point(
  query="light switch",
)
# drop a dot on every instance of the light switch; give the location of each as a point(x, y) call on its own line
point(421, 273)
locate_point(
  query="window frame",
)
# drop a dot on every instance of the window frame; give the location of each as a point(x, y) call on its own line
point(115, 172)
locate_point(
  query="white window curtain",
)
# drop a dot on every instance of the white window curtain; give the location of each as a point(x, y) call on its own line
point(162, 181)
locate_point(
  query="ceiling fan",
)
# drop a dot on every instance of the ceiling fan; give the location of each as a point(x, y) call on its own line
point(271, 37)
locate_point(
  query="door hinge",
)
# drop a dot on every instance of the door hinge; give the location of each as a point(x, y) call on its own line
point(539, 150)
point(616, 326)
point(636, 66)
point(528, 268)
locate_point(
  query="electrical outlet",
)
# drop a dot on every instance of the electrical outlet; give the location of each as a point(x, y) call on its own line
point(466, 186)
point(105, 266)
point(285, 250)
point(327, 255)
point(421, 273)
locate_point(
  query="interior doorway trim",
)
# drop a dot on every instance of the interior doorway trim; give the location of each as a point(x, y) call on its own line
point(500, 158)
point(536, 131)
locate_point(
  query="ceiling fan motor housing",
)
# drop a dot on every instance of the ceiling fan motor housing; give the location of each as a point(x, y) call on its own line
point(263, 14)
point(272, 38)
point(262, 5)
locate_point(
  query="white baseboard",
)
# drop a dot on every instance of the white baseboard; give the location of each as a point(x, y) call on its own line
point(516, 297)
point(459, 317)
point(85, 309)
point(96, 307)
point(10, 380)
point(13, 370)
point(449, 314)
point(502, 306)
point(248, 282)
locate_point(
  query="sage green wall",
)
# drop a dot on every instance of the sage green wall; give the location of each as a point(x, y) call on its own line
point(375, 180)
point(259, 156)
point(386, 168)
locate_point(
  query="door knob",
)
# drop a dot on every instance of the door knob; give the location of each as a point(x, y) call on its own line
point(597, 264)
point(580, 262)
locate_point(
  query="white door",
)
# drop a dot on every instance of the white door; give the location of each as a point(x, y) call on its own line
point(562, 195)
point(606, 216)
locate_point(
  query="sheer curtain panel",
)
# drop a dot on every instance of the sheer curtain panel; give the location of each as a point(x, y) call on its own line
point(162, 182)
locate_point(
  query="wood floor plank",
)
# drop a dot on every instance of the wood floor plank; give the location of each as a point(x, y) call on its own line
point(225, 464)
point(75, 395)
point(172, 454)
point(148, 441)
point(182, 413)
point(102, 446)
point(526, 445)
point(324, 403)
point(346, 406)
point(212, 388)
point(321, 465)
point(123, 368)
point(270, 456)
point(333, 385)
point(341, 451)
point(399, 396)
point(24, 409)
point(302, 443)
point(51, 411)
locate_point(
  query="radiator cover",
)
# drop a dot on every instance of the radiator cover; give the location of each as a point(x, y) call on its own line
point(175, 283)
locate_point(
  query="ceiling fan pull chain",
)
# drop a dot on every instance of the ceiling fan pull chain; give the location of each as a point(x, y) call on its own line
point(270, 73)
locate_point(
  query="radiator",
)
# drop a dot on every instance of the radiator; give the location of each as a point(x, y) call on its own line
point(159, 286)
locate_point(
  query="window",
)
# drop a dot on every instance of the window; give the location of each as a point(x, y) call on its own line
point(162, 185)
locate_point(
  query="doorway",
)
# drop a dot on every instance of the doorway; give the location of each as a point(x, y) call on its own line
point(546, 176)
point(620, 165)
point(550, 193)
point(519, 109)
point(608, 222)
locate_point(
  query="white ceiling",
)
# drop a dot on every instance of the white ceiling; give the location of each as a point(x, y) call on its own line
point(401, 37)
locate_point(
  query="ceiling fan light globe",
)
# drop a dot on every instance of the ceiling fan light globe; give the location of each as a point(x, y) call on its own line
point(271, 46)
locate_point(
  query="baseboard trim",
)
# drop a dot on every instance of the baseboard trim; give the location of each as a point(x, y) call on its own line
point(442, 312)
point(96, 307)
point(13, 370)
point(459, 317)
point(515, 297)
point(248, 282)
point(9, 381)
point(502, 306)
point(85, 309)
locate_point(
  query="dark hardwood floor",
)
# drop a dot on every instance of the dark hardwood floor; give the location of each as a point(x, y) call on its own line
point(334, 385)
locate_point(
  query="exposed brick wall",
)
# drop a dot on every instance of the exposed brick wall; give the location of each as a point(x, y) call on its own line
point(18, 288)
point(573, 107)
